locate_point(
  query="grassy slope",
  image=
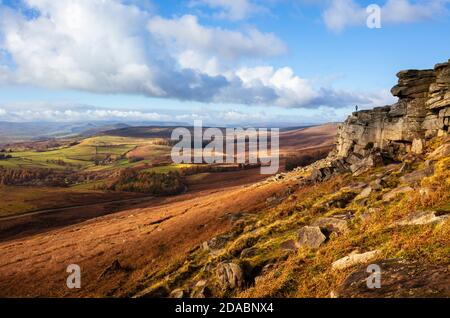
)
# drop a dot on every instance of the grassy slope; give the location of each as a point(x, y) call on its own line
point(308, 273)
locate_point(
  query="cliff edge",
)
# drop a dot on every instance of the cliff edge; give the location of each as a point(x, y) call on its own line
point(422, 112)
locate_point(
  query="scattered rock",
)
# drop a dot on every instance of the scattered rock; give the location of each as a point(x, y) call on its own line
point(354, 259)
point(177, 293)
point(395, 192)
point(289, 245)
point(377, 184)
point(331, 225)
point(364, 193)
point(249, 252)
point(230, 276)
point(310, 237)
point(422, 217)
point(200, 289)
point(372, 160)
point(340, 200)
point(363, 197)
point(415, 177)
point(216, 244)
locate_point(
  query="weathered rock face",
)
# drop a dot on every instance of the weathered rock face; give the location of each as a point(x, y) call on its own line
point(230, 276)
point(422, 112)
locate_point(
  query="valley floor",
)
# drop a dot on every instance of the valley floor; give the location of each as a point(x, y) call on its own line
point(143, 240)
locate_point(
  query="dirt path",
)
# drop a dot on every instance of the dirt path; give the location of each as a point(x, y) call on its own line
point(141, 239)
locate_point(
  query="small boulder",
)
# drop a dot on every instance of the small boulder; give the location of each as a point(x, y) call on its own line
point(422, 218)
point(331, 225)
point(354, 259)
point(230, 276)
point(177, 293)
point(417, 146)
point(310, 237)
point(395, 192)
point(249, 252)
point(289, 245)
point(364, 193)
point(377, 184)
point(415, 177)
point(216, 244)
point(200, 289)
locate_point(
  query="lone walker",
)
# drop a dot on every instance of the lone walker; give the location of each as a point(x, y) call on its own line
point(356, 107)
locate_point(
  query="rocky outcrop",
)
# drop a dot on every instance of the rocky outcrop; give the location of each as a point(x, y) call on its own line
point(422, 112)
point(230, 276)
point(310, 237)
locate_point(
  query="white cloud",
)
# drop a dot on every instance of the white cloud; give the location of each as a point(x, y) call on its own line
point(341, 14)
point(232, 10)
point(185, 34)
point(86, 45)
point(48, 113)
point(291, 90)
point(403, 11)
point(104, 46)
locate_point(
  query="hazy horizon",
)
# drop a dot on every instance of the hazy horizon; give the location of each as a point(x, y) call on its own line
point(245, 62)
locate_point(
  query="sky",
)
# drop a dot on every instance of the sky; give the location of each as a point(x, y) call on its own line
point(226, 62)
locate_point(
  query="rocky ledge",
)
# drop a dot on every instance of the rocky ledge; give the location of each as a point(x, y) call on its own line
point(372, 137)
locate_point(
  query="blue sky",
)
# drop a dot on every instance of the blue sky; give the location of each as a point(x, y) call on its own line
point(245, 62)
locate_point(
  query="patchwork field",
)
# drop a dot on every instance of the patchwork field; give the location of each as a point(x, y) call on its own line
point(96, 153)
point(32, 209)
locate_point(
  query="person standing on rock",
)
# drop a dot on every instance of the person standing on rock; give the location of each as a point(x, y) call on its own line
point(356, 107)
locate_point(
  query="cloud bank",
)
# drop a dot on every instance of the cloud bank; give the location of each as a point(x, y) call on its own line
point(111, 46)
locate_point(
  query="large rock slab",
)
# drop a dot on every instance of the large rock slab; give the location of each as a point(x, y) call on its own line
point(310, 237)
point(422, 218)
point(355, 259)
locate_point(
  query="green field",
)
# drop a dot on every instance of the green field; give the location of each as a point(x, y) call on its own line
point(83, 156)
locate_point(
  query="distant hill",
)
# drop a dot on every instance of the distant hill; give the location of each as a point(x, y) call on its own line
point(16, 132)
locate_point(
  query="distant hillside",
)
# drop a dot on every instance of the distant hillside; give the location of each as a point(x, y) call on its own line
point(17, 132)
